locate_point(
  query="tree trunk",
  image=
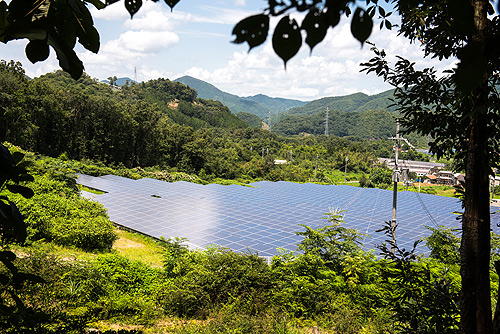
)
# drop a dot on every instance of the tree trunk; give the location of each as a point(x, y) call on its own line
point(475, 300)
point(496, 318)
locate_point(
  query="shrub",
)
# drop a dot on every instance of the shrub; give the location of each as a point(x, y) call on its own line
point(207, 280)
point(57, 213)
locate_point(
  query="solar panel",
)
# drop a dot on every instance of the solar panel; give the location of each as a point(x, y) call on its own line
point(264, 216)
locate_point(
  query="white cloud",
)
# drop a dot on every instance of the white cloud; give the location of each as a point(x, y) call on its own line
point(112, 12)
point(161, 43)
point(146, 41)
point(150, 20)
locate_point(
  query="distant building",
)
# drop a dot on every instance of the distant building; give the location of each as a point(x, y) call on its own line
point(430, 178)
point(420, 167)
point(279, 162)
point(446, 177)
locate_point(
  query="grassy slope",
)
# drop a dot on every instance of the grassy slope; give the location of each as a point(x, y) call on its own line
point(137, 247)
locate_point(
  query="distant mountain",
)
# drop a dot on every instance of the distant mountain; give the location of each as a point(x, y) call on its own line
point(276, 104)
point(260, 105)
point(357, 102)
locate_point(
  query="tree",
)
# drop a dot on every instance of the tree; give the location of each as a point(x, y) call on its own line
point(112, 80)
point(460, 111)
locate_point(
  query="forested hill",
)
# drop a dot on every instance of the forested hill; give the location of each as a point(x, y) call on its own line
point(369, 124)
point(260, 105)
point(360, 115)
point(175, 100)
point(357, 102)
point(145, 124)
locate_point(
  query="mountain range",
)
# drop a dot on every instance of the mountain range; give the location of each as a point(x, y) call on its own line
point(263, 106)
point(358, 114)
point(260, 105)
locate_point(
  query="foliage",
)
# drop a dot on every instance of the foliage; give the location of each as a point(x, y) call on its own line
point(252, 120)
point(423, 294)
point(444, 245)
point(331, 242)
point(16, 314)
point(379, 177)
point(57, 213)
point(369, 124)
point(213, 278)
point(131, 132)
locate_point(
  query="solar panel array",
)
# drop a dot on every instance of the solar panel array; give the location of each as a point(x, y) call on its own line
point(264, 216)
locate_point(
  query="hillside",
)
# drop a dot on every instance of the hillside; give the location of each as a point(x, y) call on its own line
point(367, 124)
point(260, 105)
point(357, 102)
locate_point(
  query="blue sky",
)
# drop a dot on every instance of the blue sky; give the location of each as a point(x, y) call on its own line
point(195, 39)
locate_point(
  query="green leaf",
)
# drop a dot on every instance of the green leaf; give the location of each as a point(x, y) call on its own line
point(90, 39)
point(25, 178)
point(3, 20)
point(17, 156)
point(66, 24)
point(381, 11)
point(97, 4)
point(23, 191)
point(253, 30)
point(171, 3)
point(332, 16)
point(361, 25)
point(6, 160)
point(37, 50)
point(315, 26)
point(287, 39)
point(68, 60)
point(133, 6)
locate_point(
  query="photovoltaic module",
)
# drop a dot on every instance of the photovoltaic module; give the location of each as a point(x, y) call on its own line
point(265, 216)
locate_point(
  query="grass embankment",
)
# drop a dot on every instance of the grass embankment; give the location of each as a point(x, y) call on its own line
point(137, 247)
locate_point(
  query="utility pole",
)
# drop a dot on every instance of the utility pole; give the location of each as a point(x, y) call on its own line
point(316, 169)
point(345, 169)
point(395, 178)
point(396, 174)
point(326, 122)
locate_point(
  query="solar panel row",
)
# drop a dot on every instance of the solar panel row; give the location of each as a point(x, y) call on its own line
point(263, 217)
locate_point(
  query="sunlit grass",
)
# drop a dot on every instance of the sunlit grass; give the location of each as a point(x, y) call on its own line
point(137, 247)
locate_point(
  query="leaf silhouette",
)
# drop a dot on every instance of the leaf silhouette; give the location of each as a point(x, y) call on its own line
point(287, 39)
point(253, 30)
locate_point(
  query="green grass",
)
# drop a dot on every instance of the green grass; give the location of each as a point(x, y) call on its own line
point(133, 246)
point(447, 191)
point(138, 247)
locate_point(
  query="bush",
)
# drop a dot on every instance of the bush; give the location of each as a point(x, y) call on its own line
point(207, 280)
point(57, 213)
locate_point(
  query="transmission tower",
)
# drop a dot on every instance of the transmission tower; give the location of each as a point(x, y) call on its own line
point(135, 74)
point(326, 122)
